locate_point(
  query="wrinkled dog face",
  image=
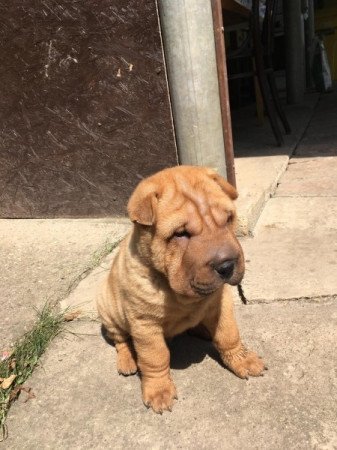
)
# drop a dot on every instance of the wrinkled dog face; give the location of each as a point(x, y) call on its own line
point(186, 220)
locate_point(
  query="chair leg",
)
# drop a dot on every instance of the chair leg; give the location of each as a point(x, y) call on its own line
point(277, 102)
point(268, 104)
point(259, 102)
point(261, 73)
point(258, 98)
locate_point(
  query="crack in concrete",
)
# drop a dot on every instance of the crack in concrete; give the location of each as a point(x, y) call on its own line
point(305, 196)
point(319, 299)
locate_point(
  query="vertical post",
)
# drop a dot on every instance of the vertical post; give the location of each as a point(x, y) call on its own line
point(295, 50)
point(220, 52)
point(188, 40)
point(309, 27)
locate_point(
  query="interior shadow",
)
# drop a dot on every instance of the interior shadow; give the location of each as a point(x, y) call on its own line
point(313, 124)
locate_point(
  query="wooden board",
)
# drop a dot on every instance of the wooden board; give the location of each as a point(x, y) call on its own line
point(84, 109)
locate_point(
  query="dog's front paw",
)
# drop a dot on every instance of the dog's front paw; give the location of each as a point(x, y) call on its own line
point(244, 363)
point(158, 393)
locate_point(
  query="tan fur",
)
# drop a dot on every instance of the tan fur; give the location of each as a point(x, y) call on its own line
point(164, 281)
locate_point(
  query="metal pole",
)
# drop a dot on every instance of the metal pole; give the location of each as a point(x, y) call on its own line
point(220, 52)
point(188, 40)
point(295, 50)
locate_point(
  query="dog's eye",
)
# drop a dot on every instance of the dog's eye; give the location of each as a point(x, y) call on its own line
point(181, 234)
point(230, 218)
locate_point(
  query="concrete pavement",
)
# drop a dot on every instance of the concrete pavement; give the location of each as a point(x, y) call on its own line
point(82, 403)
point(42, 260)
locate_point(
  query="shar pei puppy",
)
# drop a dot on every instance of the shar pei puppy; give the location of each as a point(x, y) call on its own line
point(172, 273)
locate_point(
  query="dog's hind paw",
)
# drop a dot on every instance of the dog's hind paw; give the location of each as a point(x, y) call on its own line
point(126, 367)
point(126, 362)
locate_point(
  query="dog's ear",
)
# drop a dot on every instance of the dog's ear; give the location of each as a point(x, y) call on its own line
point(143, 203)
point(225, 186)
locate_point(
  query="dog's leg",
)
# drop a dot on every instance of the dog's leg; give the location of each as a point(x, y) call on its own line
point(153, 356)
point(221, 323)
point(126, 358)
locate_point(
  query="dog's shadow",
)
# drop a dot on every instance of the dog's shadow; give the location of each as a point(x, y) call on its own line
point(185, 350)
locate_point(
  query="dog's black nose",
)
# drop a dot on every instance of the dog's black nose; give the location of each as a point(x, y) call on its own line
point(225, 269)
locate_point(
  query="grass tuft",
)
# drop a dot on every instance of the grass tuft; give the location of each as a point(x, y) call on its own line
point(24, 358)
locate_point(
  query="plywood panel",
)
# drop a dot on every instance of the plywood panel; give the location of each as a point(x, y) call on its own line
point(84, 110)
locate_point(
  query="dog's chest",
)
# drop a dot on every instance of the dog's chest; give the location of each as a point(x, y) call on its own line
point(176, 322)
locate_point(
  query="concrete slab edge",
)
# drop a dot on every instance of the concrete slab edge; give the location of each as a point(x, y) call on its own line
point(248, 218)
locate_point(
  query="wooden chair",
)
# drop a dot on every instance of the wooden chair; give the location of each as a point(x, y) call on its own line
point(258, 47)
